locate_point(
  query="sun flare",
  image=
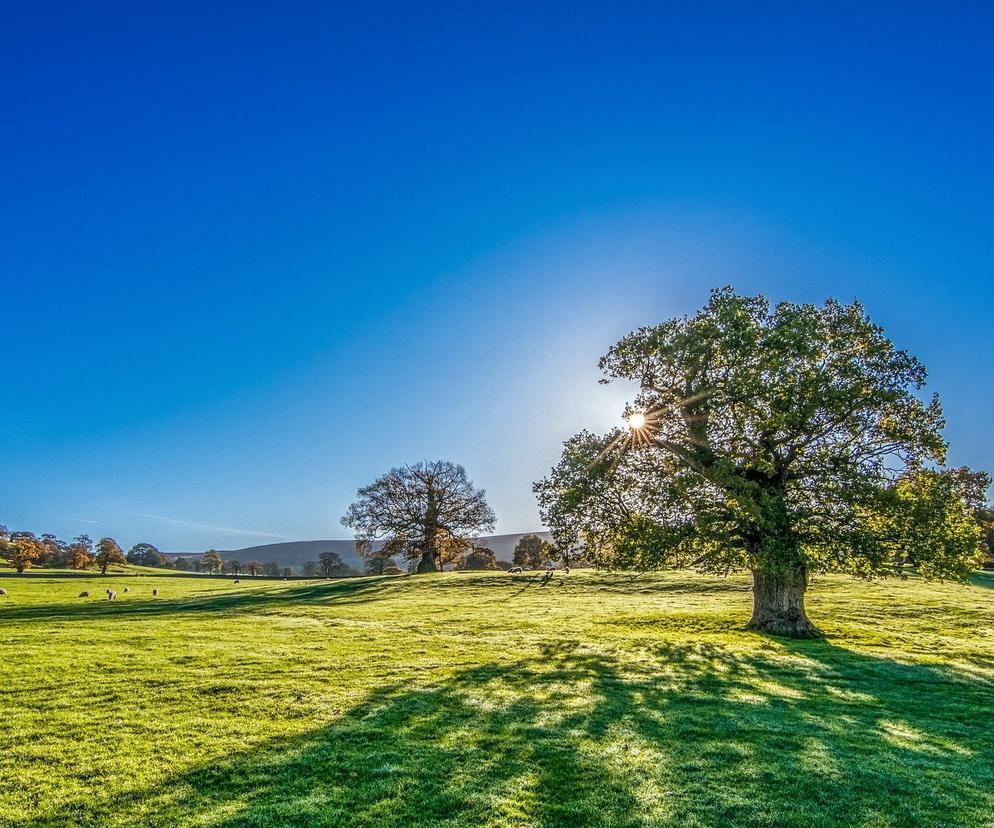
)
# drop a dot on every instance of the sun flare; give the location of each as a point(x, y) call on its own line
point(636, 421)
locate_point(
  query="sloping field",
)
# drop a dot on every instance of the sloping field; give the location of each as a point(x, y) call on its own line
point(489, 699)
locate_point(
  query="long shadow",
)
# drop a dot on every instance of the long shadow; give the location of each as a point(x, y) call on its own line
point(796, 734)
point(344, 591)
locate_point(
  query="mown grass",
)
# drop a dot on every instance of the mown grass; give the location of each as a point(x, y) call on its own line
point(464, 699)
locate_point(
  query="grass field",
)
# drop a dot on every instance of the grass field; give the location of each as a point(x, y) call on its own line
point(465, 699)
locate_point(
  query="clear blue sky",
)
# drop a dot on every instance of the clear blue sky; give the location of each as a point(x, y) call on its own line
point(251, 257)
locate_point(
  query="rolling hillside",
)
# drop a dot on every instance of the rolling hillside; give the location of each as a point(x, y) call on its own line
point(296, 553)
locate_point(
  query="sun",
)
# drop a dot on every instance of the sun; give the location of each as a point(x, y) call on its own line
point(636, 421)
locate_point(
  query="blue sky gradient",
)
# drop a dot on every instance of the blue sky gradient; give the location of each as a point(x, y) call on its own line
point(251, 257)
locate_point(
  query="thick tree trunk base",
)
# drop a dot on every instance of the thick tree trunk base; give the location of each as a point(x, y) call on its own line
point(428, 563)
point(778, 604)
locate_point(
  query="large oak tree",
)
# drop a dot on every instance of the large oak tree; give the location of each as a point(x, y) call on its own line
point(783, 440)
point(425, 513)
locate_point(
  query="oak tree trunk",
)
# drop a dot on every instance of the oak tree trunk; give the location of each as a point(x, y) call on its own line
point(428, 562)
point(778, 603)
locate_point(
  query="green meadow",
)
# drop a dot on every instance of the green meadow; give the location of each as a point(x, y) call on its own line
point(489, 699)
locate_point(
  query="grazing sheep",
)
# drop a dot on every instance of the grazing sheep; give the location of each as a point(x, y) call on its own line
point(514, 569)
point(155, 592)
point(125, 589)
point(566, 570)
point(238, 580)
point(84, 594)
point(3, 591)
point(111, 595)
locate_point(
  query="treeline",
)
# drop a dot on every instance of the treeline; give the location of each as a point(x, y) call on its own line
point(212, 562)
point(25, 549)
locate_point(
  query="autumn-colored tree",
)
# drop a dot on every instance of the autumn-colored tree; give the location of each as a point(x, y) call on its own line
point(80, 552)
point(211, 562)
point(767, 439)
point(425, 513)
point(109, 552)
point(22, 551)
point(532, 551)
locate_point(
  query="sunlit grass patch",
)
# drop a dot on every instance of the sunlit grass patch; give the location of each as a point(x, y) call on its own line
point(490, 700)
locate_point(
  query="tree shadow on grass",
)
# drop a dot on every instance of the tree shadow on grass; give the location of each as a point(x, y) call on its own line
point(794, 734)
point(344, 591)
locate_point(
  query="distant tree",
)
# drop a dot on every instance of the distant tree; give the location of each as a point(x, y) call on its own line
point(532, 551)
point(52, 551)
point(375, 560)
point(479, 557)
point(145, 554)
point(181, 564)
point(271, 569)
point(311, 569)
point(331, 565)
point(22, 551)
point(425, 513)
point(287, 572)
point(196, 564)
point(392, 569)
point(505, 565)
point(109, 552)
point(233, 567)
point(254, 568)
point(764, 438)
point(211, 562)
point(376, 563)
point(79, 554)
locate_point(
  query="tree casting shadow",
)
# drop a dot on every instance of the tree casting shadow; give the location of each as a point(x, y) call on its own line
point(800, 733)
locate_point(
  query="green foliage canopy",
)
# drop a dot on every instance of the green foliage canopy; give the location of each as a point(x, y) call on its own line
point(786, 438)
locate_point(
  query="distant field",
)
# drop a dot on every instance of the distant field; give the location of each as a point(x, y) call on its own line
point(477, 699)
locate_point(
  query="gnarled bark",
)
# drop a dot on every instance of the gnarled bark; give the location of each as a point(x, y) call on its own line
point(778, 603)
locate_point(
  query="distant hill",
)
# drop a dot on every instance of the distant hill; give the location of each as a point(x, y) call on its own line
point(296, 553)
